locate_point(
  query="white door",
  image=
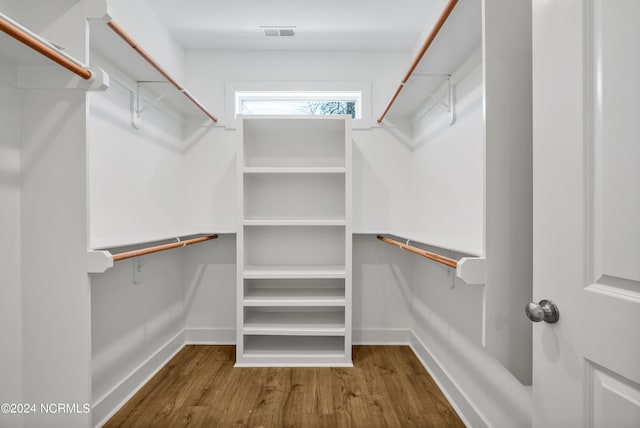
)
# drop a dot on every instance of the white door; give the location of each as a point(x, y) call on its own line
point(586, 153)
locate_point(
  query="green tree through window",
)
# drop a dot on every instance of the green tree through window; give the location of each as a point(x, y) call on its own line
point(329, 107)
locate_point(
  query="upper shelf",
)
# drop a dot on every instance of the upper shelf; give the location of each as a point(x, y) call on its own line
point(113, 44)
point(17, 53)
point(22, 47)
point(454, 38)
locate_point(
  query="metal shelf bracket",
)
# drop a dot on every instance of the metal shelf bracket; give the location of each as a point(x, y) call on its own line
point(448, 104)
point(138, 108)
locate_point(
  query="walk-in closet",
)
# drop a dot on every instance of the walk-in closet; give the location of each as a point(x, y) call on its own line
point(319, 214)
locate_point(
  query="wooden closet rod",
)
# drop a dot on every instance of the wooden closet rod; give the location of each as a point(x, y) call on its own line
point(124, 36)
point(432, 256)
point(163, 247)
point(33, 41)
point(425, 46)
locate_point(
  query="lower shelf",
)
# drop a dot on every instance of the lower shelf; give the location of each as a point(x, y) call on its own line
point(284, 346)
point(284, 321)
point(288, 351)
point(295, 297)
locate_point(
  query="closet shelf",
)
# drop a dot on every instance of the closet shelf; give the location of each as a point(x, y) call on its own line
point(24, 47)
point(116, 46)
point(294, 271)
point(292, 347)
point(454, 37)
point(295, 323)
point(296, 222)
point(294, 170)
point(294, 297)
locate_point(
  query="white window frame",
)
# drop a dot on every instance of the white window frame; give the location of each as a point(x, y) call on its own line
point(364, 88)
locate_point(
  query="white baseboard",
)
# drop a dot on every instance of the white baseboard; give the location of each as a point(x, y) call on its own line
point(210, 336)
point(456, 398)
point(108, 405)
point(381, 336)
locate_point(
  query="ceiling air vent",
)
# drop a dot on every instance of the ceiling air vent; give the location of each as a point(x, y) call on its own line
point(279, 31)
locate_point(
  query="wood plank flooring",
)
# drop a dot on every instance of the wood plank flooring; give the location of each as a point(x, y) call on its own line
point(199, 387)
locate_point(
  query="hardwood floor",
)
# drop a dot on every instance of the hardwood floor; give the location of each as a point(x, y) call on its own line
point(199, 387)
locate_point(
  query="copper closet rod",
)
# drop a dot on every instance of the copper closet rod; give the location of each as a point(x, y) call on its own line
point(124, 36)
point(431, 256)
point(157, 248)
point(39, 46)
point(427, 43)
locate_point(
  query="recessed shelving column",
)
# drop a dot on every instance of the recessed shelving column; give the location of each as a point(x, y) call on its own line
point(294, 242)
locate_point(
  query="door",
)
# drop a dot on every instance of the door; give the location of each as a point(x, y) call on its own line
point(586, 154)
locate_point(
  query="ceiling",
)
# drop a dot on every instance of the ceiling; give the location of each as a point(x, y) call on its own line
point(320, 24)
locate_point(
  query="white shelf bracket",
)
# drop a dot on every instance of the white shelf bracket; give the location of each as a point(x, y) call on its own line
point(138, 108)
point(448, 104)
point(138, 273)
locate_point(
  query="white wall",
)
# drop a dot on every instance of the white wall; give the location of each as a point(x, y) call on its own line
point(380, 161)
point(210, 290)
point(11, 302)
point(55, 287)
point(210, 181)
point(507, 69)
point(45, 306)
point(55, 291)
point(447, 165)
point(381, 292)
point(207, 71)
point(135, 175)
point(137, 194)
point(131, 322)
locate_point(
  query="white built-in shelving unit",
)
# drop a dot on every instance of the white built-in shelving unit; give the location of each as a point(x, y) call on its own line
point(294, 241)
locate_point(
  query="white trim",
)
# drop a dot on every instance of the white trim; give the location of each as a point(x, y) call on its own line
point(107, 406)
point(381, 336)
point(230, 88)
point(456, 398)
point(288, 365)
point(210, 336)
point(473, 380)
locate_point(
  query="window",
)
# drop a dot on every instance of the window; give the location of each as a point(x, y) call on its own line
point(299, 102)
point(280, 97)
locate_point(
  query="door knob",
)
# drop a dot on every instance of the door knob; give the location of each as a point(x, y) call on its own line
point(546, 311)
